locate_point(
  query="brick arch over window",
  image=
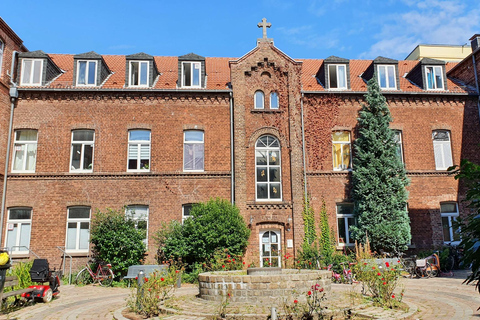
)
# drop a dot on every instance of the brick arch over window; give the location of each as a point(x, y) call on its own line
point(267, 131)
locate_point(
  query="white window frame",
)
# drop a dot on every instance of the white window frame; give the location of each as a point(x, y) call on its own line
point(139, 144)
point(20, 223)
point(267, 149)
point(337, 66)
point(140, 62)
point(442, 151)
point(347, 241)
point(274, 97)
point(78, 221)
point(192, 64)
point(131, 214)
point(30, 80)
point(27, 144)
point(278, 233)
point(451, 216)
point(193, 142)
point(436, 71)
point(387, 69)
point(2, 49)
point(186, 216)
point(87, 73)
point(82, 143)
point(342, 166)
point(399, 143)
point(259, 100)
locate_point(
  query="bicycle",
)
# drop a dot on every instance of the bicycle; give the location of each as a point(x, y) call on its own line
point(409, 264)
point(104, 275)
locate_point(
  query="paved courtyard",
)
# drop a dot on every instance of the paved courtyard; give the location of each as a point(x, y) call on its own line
point(437, 298)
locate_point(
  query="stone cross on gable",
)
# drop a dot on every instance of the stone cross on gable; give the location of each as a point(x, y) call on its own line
point(264, 24)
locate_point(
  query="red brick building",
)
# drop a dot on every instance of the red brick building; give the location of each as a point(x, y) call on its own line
point(157, 134)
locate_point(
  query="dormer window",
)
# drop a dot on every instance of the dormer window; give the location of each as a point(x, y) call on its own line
point(337, 76)
point(32, 72)
point(386, 77)
point(191, 74)
point(138, 73)
point(434, 77)
point(86, 73)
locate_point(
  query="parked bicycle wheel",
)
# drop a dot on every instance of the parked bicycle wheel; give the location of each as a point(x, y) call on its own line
point(430, 270)
point(408, 268)
point(83, 277)
point(105, 278)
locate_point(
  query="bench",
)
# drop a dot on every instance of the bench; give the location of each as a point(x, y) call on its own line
point(12, 281)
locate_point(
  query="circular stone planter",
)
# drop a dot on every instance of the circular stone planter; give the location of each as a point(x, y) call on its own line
point(261, 285)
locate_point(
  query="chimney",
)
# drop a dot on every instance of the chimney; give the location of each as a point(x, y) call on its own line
point(475, 42)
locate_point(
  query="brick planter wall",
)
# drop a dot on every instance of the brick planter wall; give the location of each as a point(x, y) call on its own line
point(289, 284)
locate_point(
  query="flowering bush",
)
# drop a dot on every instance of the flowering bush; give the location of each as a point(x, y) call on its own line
point(306, 310)
point(145, 299)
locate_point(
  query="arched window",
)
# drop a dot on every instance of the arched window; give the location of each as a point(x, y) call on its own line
point(259, 100)
point(273, 100)
point(268, 169)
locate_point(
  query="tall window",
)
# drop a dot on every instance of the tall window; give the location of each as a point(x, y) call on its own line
point(138, 76)
point(2, 46)
point(191, 74)
point(341, 150)
point(345, 219)
point(25, 151)
point(138, 150)
point(270, 249)
point(397, 138)
point(434, 77)
point(337, 76)
point(268, 169)
point(259, 98)
point(186, 208)
point(32, 71)
point(82, 150)
point(86, 73)
point(386, 77)
point(78, 229)
point(273, 100)
point(449, 213)
point(139, 215)
point(442, 149)
point(193, 151)
point(19, 227)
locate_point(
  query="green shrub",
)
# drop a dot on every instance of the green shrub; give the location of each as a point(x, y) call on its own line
point(22, 271)
point(116, 240)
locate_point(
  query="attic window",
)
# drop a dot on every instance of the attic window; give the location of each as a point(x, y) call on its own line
point(138, 76)
point(191, 74)
point(86, 73)
point(434, 76)
point(32, 71)
point(386, 76)
point(337, 76)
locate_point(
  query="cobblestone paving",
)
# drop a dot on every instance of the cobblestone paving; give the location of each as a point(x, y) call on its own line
point(437, 298)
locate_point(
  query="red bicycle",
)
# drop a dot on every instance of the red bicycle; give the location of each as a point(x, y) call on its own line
point(104, 275)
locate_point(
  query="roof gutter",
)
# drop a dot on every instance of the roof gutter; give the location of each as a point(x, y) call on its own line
point(121, 90)
point(435, 93)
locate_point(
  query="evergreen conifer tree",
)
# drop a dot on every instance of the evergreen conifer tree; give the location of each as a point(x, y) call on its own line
point(379, 178)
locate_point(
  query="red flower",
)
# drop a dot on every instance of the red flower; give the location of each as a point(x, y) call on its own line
point(398, 261)
point(401, 294)
point(309, 262)
point(228, 261)
point(267, 259)
point(379, 274)
point(373, 268)
point(176, 271)
point(243, 262)
point(295, 301)
point(364, 263)
point(149, 289)
point(387, 264)
point(393, 296)
point(269, 264)
point(228, 256)
point(321, 290)
point(248, 266)
point(309, 293)
point(384, 283)
point(383, 279)
point(233, 260)
point(146, 279)
point(223, 266)
point(161, 279)
point(136, 278)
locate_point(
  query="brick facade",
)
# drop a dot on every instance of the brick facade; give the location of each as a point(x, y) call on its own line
point(303, 123)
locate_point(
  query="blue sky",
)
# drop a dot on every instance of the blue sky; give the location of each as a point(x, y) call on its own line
point(302, 29)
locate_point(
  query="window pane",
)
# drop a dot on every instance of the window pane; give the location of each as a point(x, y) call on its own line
point(332, 70)
point(37, 71)
point(88, 157)
point(275, 190)
point(134, 70)
point(341, 136)
point(196, 74)
point(259, 100)
point(20, 214)
point(188, 156)
point(262, 191)
point(346, 156)
point(199, 156)
point(84, 235)
point(438, 78)
point(262, 174)
point(187, 74)
point(273, 158)
point(144, 74)
point(391, 76)
point(448, 207)
point(31, 156)
point(133, 151)
point(82, 68)
point(274, 175)
point(382, 77)
point(71, 235)
point(341, 77)
point(26, 135)
point(194, 136)
point(19, 157)
point(135, 135)
point(12, 237)
point(91, 72)
point(27, 69)
point(261, 158)
point(83, 135)
point(76, 156)
point(446, 229)
point(144, 151)
point(342, 236)
point(79, 213)
point(274, 100)
point(25, 235)
point(344, 209)
point(351, 222)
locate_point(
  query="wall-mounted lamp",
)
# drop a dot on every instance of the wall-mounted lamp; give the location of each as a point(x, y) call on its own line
point(251, 222)
point(289, 223)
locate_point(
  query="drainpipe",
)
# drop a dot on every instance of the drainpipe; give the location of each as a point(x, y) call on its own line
point(303, 150)
point(232, 161)
point(13, 98)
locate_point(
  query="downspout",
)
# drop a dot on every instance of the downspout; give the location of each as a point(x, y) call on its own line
point(13, 98)
point(303, 150)
point(232, 161)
